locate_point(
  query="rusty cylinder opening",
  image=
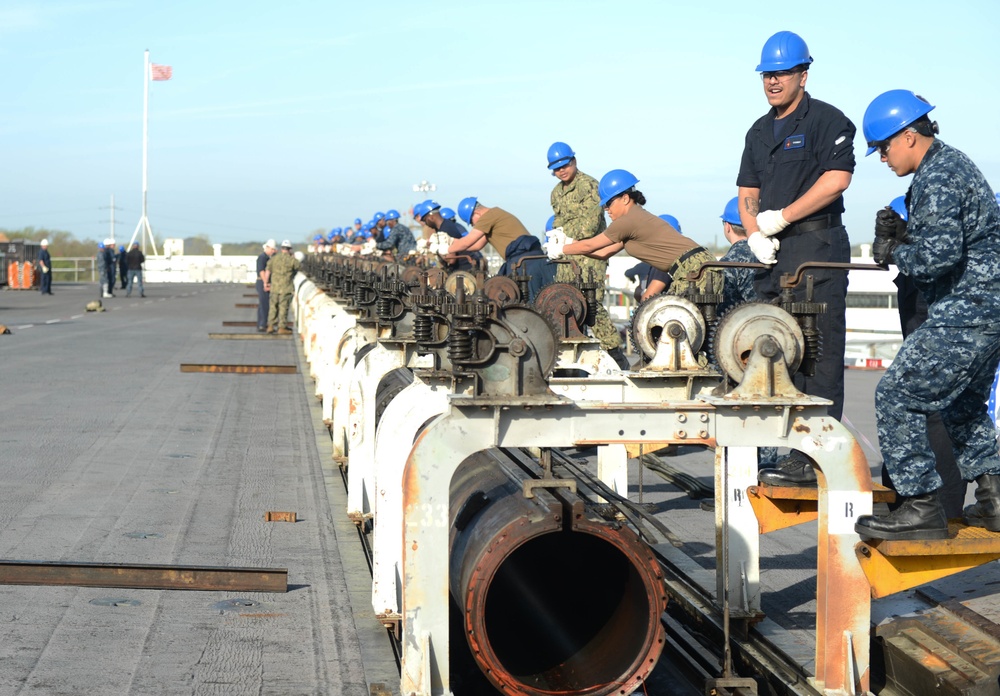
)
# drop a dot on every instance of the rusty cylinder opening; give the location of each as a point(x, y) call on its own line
point(568, 612)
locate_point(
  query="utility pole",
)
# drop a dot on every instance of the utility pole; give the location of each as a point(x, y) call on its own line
point(113, 223)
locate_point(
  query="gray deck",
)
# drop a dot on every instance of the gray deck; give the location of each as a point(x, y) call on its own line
point(104, 440)
point(103, 437)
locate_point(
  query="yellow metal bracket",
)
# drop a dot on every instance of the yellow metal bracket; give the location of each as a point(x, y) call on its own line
point(895, 566)
point(778, 507)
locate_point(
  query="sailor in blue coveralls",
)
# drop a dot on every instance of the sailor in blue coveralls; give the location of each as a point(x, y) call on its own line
point(797, 163)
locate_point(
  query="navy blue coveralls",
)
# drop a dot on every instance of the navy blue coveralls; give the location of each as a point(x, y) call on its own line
point(814, 139)
point(263, 297)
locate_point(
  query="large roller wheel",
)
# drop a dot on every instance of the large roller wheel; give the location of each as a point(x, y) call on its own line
point(656, 312)
point(743, 325)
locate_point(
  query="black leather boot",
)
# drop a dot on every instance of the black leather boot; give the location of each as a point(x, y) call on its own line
point(618, 355)
point(917, 518)
point(985, 512)
point(790, 472)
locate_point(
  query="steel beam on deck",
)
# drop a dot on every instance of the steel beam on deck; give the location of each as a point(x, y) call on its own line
point(239, 323)
point(250, 336)
point(241, 369)
point(246, 305)
point(148, 577)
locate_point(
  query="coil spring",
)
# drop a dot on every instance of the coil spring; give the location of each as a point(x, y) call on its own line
point(813, 351)
point(384, 307)
point(423, 329)
point(460, 346)
point(359, 295)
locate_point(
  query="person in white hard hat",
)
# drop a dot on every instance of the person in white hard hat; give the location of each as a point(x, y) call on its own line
point(45, 266)
point(263, 284)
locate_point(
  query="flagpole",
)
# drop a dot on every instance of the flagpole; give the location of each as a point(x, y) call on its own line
point(143, 227)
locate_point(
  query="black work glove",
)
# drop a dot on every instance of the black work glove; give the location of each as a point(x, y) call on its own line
point(889, 223)
point(882, 249)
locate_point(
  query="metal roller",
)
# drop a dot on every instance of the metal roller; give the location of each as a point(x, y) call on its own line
point(553, 598)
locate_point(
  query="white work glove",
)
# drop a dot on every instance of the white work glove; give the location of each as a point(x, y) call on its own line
point(368, 247)
point(764, 248)
point(439, 244)
point(770, 222)
point(421, 245)
point(554, 244)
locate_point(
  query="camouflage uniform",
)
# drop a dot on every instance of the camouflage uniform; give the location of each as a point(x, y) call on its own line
point(738, 287)
point(948, 363)
point(282, 267)
point(400, 239)
point(577, 209)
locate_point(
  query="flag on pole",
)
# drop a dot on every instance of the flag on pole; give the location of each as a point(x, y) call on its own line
point(160, 72)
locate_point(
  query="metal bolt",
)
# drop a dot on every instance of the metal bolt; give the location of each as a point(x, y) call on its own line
point(682, 434)
point(681, 418)
point(703, 434)
point(703, 417)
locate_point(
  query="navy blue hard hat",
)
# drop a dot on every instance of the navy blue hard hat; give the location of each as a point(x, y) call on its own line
point(466, 207)
point(613, 183)
point(674, 222)
point(559, 155)
point(899, 205)
point(891, 112)
point(784, 51)
point(731, 214)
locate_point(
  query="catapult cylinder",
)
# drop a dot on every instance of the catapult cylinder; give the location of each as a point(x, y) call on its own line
point(554, 599)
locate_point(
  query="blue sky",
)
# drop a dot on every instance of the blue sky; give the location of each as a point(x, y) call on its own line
point(285, 117)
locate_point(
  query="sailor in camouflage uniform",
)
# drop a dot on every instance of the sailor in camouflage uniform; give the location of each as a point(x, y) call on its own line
point(280, 270)
point(578, 212)
point(398, 238)
point(739, 287)
point(950, 248)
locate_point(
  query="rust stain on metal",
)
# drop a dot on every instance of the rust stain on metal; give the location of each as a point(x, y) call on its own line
point(241, 369)
point(153, 577)
point(801, 427)
point(273, 516)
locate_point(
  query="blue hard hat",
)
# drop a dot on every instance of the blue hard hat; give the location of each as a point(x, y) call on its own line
point(365, 227)
point(419, 209)
point(100, 245)
point(732, 212)
point(674, 222)
point(366, 233)
point(121, 248)
point(559, 155)
point(614, 182)
point(466, 207)
point(784, 51)
point(378, 216)
point(447, 213)
point(891, 112)
point(317, 237)
point(392, 214)
point(335, 231)
point(431, 205)
point(899, 205)
point(357, 221)
point(998, 198)
point(550, 223)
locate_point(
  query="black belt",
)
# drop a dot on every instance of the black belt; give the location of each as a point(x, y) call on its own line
point(821, 222)
point(684, 257)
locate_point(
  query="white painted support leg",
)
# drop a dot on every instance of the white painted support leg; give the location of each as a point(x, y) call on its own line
point(361, 426)
point(612, 468)
point(404, 416)
point(740, 463)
